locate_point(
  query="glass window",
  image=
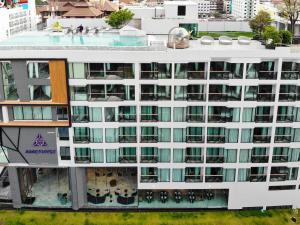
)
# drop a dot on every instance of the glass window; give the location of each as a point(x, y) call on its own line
point(112, 155)
point(179, 114)
point(164, 114)
point(95, 114)
point(38, 69)
point(164, 175)
point(9, 86)
point(164, 155)
point(97, 156)
point(178, 175)
point(65, 153)
point(40, 92)
point(230, 155)
point(110, 114)
point(181, 10)
point(179, 135)
point(78, 93)
point(245, 155)
point(111, 135)
point(96, 135)
point(243, 174)
point(77, 70)
point(164, 134)
point(229, 175)
point(178, 155)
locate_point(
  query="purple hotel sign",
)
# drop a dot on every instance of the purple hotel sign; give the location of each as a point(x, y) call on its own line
point(39, 141)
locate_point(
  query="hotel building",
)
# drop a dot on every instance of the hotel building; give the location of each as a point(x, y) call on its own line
point(111, 121)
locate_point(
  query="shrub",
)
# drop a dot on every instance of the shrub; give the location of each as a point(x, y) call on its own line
point(286, 36)
point(271, 36)
point(119, 18)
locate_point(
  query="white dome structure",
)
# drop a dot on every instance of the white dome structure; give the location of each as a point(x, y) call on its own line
point(178, 37)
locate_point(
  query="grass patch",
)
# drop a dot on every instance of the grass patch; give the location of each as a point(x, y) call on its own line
point(273, 217)
point(232, 34)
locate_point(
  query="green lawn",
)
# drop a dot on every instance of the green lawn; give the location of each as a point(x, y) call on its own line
point(232, 34)
point(280, 217)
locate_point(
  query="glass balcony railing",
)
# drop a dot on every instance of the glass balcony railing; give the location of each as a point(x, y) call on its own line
point(150, 75)
point(81, 139)
point(261, 138)
point(280, 158)
point(285, 118)
point(215, 159)
point(195, 118)
point(290, 75)
point(80, 118)
point(149, 158)
point(155, 96)
point(149, 138)
point(194, 159)
point(149, 178)
point(193, 178)
point(219, 118)
point(224, 97)
point(259, 158)
point(149, 117)
point(127, 159)
point(82, 159)
point(279, 177)
point(127, 117)
point(283, 138)
point(195, 96)
point(263, 118)
point(258, 177)
point(219, 75)
point(288, 97)
point(216, 138)
point(213, 178)
point(265, 97)
point(195, 138)
point(127, 138)
point(196, 75)
point(267, 75)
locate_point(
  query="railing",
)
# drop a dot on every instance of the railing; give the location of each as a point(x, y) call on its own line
point(285, 118)
point(265, 97)
point(120, 73)
point(127, 159)
point(127, 138)
point(195, 96)
point(82, 159)
point(279, 177)
point(195, 138)
point(193, 178)
point(285, 138)
point(149, 158)
point(263, 118)
point(219, 118)
point(216, 138)
point(267, 75)
point(149, 96)
point(193, 158)
point(196, 75)
point(289, 97)
point(81, 139)
point(149, 178)
point(95, 74)
point(154, 75)
point(259, 158)
point(215, 159)
point(104, 96)
point(213, 178)
point(80, 118)
point(258, 177)
point(290, 75)
point(127, 117)
point(219, 75)
point(261, 138)
point(280, 158)
point(218, 96)
point(195, 118)
point(149, 117)
point(149, 138)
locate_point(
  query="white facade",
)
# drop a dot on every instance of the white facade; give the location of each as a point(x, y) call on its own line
point(203, 8)
point(244, 9)
point(172, 9)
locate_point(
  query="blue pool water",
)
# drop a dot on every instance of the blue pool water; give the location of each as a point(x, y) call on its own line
point(102, 39)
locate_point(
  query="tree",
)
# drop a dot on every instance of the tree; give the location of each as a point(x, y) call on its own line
point(271, 36)
point(57, 26)
point(286, 36)
point(119, 18)
point(260, 22)
point(291, 10)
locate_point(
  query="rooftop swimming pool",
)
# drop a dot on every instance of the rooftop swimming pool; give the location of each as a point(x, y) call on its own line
point(59, 39)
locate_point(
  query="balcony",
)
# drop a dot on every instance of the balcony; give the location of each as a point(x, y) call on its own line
point(193, 159)
point(218, 118)
point(259, 158)
point(219, 75)
point(149, 158)
point(149, 75)
point(106, 97)
point(149, 138)
point(195, 118)
point(196, 75)
point(82, 159)
point(194, 138)
point(285, 118)
point(290, 75)
point(149, 117)
point(218, 97)
point(82, 118)
point(283, 138)
point(216, 138)
point(127, 138)
point(215, 159)
point(279, 177)
point(263, 118)
point(265, 97)
point(261, 139)
point(127, 159)
point(258, 177)
point(287, 97)
point(127, 117)
point(213, 178)
point(193, 178)
point(81, 139)
point(195, 96)
point(149, 178)
point(267, 75)
point(280, 158)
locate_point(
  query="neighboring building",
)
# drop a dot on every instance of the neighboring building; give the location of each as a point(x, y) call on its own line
point(113, 121)
point(18, 18)
point(203, 8)
point(227, 7)
point(244, 9)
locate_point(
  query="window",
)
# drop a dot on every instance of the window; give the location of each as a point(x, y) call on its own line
point(65, 153)
point(62, 113)
point(181, 10)
point(32, 113)
point(9, 85)
point(40, 92)
point(38, 70)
